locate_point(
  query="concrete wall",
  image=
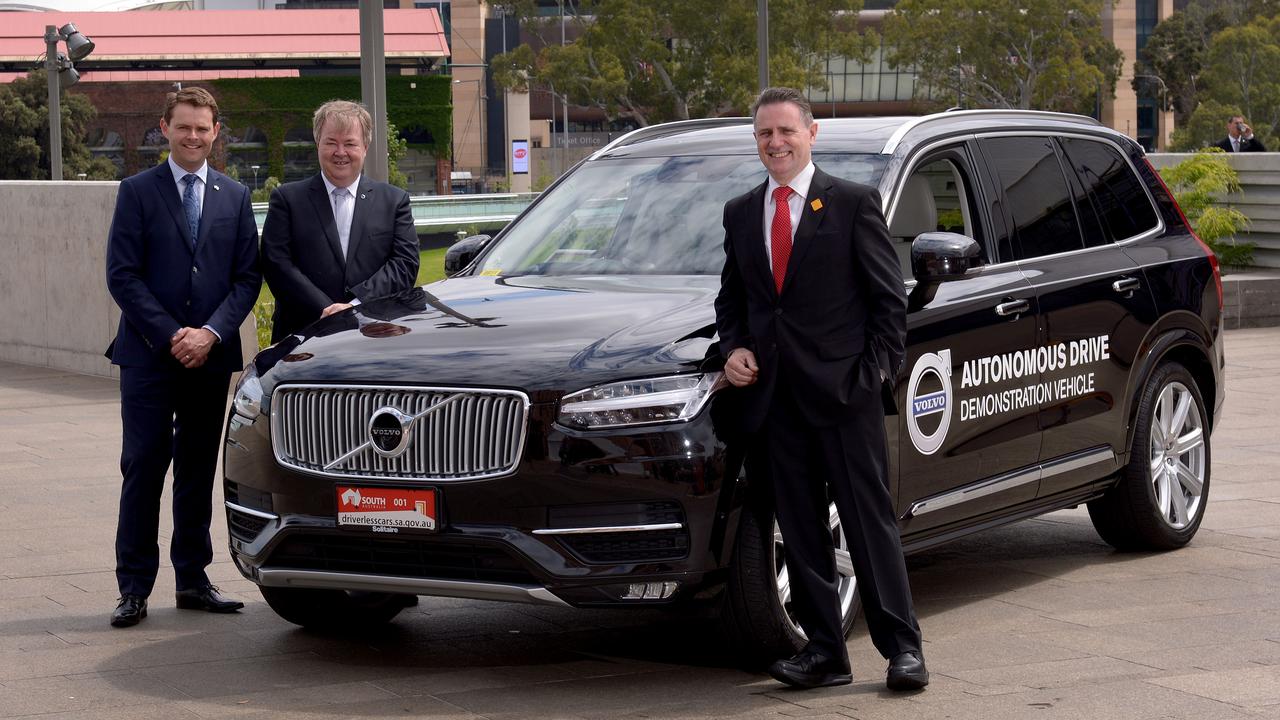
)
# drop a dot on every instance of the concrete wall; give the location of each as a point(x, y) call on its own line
point(1259, 199)
point(53, 287)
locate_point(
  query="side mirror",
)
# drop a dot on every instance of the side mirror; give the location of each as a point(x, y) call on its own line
point(460, 254)
point(938, 256)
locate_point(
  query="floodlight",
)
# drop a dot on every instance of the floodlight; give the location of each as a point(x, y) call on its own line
point(78, 46)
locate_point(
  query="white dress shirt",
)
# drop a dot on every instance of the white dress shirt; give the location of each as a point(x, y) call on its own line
point(799, 191)
point(179, 173)
point(203, 174)
point(342, 216)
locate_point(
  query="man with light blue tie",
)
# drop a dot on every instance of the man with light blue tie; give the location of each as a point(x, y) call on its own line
point(337, 238)
point(182, 264)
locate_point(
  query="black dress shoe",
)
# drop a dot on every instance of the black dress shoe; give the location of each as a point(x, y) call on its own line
point(206, 598)
point(129, 611)
point(811, 670)
point(907, 672)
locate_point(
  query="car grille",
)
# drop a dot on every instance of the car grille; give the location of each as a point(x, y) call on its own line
point(400, 557)
point(652, 546)
point(477, 434)
point(243, 526)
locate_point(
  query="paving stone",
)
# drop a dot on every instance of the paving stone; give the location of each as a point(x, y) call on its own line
point(1035, 619)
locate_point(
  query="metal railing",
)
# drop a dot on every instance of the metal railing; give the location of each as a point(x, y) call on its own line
point(449, 213)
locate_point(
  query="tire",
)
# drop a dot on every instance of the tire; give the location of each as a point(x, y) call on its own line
point(335, 611)
point(755, 615)
point(1160, 498)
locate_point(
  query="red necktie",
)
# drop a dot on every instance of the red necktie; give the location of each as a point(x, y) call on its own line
point(780, 235)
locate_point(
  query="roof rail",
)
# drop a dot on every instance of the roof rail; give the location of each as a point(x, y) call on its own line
point(671, 128)
point(892, 143)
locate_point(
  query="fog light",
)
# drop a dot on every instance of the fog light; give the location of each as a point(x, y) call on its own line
point(651, 591)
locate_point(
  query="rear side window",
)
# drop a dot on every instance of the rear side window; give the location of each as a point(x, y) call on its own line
point(1028, 171)
point(1117, 193)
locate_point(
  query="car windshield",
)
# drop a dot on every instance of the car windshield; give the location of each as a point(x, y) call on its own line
point(647, 216)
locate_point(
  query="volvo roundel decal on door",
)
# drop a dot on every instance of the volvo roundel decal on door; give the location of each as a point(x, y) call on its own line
point(930, 393)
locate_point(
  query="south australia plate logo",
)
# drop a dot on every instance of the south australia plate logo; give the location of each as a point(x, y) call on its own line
point(929, 395)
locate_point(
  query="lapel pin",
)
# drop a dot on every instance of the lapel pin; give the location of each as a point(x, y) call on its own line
point(361, 196)
point(215, 187)
point(816, 205)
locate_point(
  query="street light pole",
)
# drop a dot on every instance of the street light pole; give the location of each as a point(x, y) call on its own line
point(762, 43)
point(51, 68)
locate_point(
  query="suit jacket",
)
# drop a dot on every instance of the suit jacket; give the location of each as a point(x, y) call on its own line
point(1254, 145)
point(302, 257)
point(841, 316)
point(162, 284)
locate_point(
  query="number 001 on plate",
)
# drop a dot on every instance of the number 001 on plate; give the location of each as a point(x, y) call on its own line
point(387, 509)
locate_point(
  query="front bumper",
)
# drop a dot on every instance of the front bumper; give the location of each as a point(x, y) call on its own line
point(638, 516)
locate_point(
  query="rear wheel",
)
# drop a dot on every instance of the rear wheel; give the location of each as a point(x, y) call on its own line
point(335, 610)
point(757, 614)
point(1160, 499)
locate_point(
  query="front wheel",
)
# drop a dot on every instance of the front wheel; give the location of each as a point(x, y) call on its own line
point(1160, 499)
point(335, 610)
point(757, 615)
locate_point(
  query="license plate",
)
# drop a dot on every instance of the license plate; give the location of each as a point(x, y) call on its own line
point(388, 510)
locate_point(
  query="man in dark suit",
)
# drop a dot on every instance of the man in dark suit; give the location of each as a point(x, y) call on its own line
point(1239, 137)
point(182, 260)
point(811, 315)
point(339, 237)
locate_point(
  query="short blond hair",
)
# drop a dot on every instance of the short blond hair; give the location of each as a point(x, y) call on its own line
point(343, 113)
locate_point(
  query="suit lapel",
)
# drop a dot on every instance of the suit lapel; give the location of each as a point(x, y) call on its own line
point(324, 211)
point(169, 197)
point(810, 219)
point(212, 207)
point(755, 237)
point(359, 211)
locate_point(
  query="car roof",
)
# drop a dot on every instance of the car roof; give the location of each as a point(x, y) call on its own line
point(882, 135)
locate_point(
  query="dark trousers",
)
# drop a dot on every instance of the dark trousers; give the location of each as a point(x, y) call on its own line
point(169, 414)
point(845, 464)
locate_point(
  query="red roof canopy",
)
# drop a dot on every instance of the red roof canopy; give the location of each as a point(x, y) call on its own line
point(225, 38)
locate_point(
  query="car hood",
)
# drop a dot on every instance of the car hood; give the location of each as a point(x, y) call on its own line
point(543, 335)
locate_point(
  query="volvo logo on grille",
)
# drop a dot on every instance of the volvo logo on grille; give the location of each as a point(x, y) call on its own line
point(390, 431)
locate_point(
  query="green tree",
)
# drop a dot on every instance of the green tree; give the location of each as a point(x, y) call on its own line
point(1199, 184)
point(1242, 70)
point(657, 60)
point(1175, 53)
point(1041, 54)
point(397, 148)
point(24, 133)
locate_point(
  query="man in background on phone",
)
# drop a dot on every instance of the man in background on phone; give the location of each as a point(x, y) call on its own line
point(1240, 137)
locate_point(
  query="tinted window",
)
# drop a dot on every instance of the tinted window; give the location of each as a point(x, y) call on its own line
point(1118, 193)
point(1028, 171)
point(1087, 212)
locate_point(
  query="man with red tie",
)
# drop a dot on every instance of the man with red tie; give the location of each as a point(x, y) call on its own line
point(812, 321)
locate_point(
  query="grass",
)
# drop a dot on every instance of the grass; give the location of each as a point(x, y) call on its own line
point(430, 269)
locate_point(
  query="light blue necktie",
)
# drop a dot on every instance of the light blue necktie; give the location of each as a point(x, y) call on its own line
point(191, 206)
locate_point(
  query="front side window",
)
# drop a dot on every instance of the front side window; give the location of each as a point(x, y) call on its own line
point(1115, 190)
point(937, 196)
point(654, 216)
point(1028, 171)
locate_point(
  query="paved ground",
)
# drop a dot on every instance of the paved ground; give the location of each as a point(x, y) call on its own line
point(1036, 620)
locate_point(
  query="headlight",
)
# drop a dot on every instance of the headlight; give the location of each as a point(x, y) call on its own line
point(639, 402)
point(248, 399)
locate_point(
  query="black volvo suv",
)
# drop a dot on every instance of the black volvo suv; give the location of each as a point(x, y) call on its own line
point(550, 424)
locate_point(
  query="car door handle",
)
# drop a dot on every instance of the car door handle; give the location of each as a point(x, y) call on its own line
point(1013, 307)
point(1126, 285)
